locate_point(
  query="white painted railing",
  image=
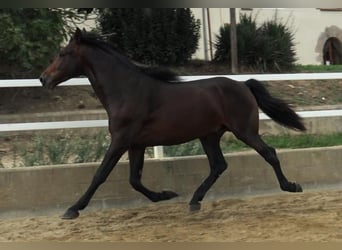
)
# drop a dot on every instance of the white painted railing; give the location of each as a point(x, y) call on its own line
point(260, 77)
point(158, 151)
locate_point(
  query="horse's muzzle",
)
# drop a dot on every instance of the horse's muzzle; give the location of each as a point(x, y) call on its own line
point(44, 80)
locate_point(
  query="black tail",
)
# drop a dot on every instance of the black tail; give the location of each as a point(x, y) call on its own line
point(275, 108)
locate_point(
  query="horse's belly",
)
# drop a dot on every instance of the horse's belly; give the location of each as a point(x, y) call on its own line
point(183, 116)
point(175, 131)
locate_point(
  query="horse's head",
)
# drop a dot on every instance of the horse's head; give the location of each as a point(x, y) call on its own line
point(66, 64)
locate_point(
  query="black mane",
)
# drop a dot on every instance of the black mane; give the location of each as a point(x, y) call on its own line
point(156, 72)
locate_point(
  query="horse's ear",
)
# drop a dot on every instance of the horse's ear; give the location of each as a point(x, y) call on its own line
point(78, 35)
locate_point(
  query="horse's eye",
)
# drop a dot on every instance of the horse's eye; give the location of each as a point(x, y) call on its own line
point(64, 53)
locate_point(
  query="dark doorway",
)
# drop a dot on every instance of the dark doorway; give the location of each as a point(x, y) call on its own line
point(332, 51)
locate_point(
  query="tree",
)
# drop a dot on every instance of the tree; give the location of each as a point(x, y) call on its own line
point(153, 36)
point(29, 38)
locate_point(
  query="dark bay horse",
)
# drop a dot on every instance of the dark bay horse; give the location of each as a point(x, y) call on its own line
point(147, 107)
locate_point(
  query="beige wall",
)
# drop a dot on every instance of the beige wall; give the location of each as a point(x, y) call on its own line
point(311, 26)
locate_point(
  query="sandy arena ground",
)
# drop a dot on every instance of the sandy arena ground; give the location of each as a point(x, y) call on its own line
point(309, 216)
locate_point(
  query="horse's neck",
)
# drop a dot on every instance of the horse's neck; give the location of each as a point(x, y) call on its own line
point(111, 81)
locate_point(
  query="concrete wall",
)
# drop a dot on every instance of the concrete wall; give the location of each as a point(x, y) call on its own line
point(43, 190)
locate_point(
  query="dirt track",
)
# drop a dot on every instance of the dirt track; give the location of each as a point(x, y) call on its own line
point(311, 216)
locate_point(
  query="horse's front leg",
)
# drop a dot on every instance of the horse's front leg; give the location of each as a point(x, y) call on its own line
point(112, 156)
point(136, 159)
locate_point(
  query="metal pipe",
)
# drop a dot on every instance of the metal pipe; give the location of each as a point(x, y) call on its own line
point(210, 40)
point(205, 37)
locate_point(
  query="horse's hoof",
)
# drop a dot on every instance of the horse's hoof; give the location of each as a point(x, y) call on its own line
point(299, 188)
point(167, 195)
point(70, 214)
point(195, 207)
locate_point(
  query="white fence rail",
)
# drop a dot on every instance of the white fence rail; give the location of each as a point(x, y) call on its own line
point(261, 77)
point(158, 150)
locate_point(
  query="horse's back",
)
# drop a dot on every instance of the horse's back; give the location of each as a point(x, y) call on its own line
point(218, 94)
point(236, 102)
point(231, 91)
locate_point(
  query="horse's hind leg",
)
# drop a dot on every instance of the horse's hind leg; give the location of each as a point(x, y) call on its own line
point(270, 155)
point(211, 146)
point(136, 159)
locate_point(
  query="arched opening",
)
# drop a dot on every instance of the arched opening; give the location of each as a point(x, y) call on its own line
point(332, 51)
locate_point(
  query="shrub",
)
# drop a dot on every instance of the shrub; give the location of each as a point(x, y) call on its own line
point(269, 47)
point(276, 47)
point(246, 31)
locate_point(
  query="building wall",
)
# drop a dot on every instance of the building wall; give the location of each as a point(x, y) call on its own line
point(312, 27)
